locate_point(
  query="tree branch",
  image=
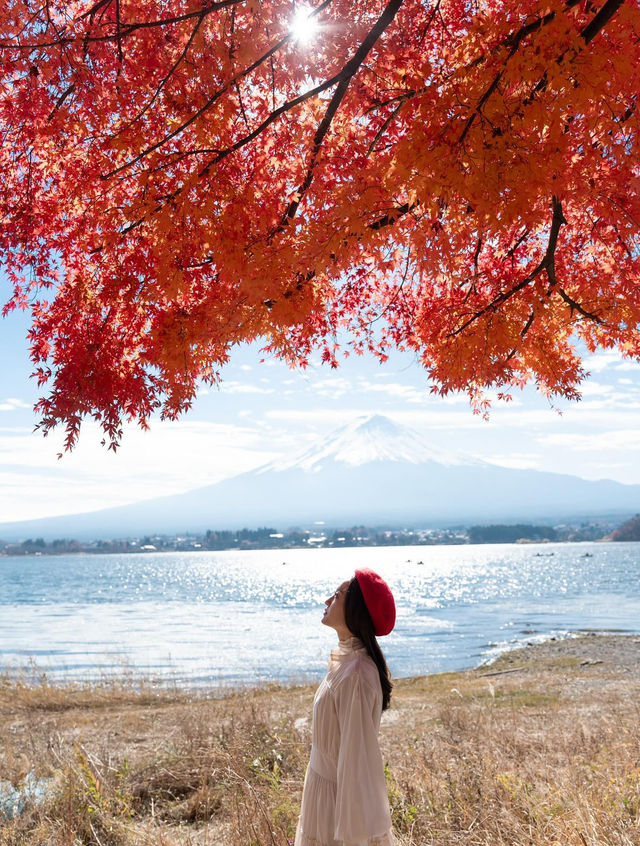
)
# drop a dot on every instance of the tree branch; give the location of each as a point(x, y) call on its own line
point(390, 218)
point(547, 263)
point(164, 80)
point(397, 292)
point(61, 99)
point(346, 75)
point(389, 119)
point(119, 35)
point(513, 42)
point(601, 19)
point(575, 306)
point(127, 28)
point(216, 96)
point(523, 332)
point(588, 33)
point(285, 107)
point(481, 102)
point(558, 220)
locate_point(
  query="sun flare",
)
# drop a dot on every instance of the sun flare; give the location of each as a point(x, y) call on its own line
point(303, 26)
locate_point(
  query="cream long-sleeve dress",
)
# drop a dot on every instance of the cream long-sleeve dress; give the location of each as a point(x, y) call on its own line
point(344, 799)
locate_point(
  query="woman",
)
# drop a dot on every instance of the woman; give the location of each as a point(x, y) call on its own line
point(344, 799)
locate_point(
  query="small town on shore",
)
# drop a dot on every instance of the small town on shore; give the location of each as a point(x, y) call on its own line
point(320, 536)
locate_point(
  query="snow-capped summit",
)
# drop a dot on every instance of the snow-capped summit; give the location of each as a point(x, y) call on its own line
point(370, 437)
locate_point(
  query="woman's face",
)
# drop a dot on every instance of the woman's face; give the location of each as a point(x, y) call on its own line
point(334, 611)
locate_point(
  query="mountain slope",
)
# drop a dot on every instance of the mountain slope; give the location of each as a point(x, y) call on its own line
point(370, 472)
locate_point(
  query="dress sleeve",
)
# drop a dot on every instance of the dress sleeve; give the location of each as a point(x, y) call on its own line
point(362, 803)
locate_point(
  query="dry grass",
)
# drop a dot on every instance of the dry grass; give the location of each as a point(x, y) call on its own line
point(548, 754)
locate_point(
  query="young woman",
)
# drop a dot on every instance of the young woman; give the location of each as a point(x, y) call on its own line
point(344, 799)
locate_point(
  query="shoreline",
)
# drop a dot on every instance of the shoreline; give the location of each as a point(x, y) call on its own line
point(528, 747)
point(130, 545)
point(33, 673)
point(74, 553)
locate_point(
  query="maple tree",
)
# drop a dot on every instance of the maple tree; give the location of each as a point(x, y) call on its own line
point(178, 176)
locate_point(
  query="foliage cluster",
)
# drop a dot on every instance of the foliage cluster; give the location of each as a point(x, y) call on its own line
point(459, 179)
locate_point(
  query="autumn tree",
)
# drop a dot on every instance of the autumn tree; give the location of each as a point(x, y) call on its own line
point(178, 176)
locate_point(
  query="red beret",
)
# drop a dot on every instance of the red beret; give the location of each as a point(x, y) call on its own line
point(378, 599)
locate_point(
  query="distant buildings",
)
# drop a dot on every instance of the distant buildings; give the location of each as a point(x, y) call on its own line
point(300, 538)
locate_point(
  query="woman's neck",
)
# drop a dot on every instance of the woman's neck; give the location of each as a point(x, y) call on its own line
point(344, 634)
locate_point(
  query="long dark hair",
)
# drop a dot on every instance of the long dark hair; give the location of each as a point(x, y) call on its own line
point(359, 623)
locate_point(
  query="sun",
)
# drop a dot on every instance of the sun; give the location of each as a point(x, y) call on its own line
point(303, 26)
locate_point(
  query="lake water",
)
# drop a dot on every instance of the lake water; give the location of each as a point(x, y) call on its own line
point(208, 618)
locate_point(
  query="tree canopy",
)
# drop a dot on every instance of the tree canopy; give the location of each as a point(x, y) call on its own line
point(455, 178)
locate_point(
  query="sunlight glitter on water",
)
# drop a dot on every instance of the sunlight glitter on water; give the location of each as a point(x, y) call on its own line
point(237, 617)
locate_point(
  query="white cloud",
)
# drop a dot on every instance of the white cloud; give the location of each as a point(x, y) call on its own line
point(464, 419)
point(395, 390)
point(505, 420)
point(514, 460)
point(12, 403)
point(46, 495)
point(454, 399)
point(610, 404)
point(306, 404)
point(595, 389)
point(230, 387)
point(605, 359)
point(332, 388)
point(629, 364)
point(601, 360)
point(318, 414)
point(169, 458)
point(597, 442)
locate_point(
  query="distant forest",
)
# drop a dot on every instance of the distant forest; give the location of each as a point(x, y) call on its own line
point(511, 534)
point(629, 531)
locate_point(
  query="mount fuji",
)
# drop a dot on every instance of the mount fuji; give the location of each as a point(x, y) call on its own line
point(371, 471)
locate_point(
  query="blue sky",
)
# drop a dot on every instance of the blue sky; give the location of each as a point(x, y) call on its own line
point(265, 410)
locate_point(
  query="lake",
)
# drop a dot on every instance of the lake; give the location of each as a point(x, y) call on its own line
point(233, 618)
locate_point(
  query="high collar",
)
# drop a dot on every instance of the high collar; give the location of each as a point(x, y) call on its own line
point(347, 648)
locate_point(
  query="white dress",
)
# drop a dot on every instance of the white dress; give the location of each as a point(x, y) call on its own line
point(344, 799)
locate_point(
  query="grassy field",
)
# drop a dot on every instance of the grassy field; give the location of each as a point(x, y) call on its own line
point(540, 748)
